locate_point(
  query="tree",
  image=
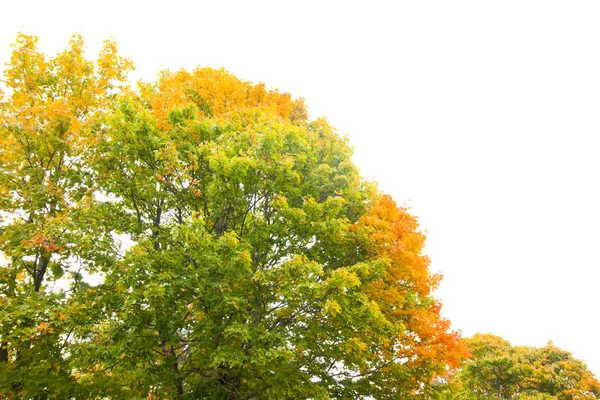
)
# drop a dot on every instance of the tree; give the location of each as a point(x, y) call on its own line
point(499, 370)
point(242, 257)
point(47, 126)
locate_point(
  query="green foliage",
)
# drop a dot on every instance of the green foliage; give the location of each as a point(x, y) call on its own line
point(236, 251)
point(50, 230)
point(498, 370)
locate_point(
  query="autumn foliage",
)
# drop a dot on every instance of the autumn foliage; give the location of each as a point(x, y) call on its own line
point(199, 237)
point(403, 292)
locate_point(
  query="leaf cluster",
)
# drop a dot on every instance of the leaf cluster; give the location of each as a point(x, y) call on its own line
point(499, 370)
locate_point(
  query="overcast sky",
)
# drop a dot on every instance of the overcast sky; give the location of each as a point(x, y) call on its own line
point(481, 116)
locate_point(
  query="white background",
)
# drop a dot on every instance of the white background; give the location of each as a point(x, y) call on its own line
point(482, 116)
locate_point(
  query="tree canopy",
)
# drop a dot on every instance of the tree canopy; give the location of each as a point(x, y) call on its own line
point(498, 370)
point(198, 236)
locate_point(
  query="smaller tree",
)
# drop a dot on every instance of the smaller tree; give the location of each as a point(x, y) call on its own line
point(498, 370)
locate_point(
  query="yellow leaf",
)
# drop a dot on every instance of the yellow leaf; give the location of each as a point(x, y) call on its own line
point(44, 327)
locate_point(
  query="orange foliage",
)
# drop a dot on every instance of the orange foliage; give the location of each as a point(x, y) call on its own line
point(215, 94)
point(404, 291)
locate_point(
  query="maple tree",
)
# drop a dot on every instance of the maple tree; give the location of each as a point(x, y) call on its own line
point(47, 125)
point(497, 369)
point(241, 255)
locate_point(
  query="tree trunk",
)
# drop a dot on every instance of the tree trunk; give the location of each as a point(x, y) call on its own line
point(4, 352)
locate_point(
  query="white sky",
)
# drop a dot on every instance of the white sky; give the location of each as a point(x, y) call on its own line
point(482, 116)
